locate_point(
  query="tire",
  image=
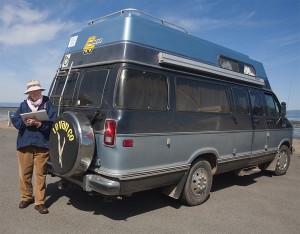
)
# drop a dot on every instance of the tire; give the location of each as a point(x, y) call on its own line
point(198, 184)
point(283, 162)
point(72, 144)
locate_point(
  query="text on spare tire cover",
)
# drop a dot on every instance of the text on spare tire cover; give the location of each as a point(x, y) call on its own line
point(65, 126)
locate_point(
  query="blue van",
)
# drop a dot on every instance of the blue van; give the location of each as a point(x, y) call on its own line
point(143, 104)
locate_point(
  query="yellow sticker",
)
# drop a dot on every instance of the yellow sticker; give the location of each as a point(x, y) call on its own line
point(90, 44)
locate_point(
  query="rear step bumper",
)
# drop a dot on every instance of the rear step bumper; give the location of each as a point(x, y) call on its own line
point(101, 185)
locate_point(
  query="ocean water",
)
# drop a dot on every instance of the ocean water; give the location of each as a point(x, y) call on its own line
point(297, 133)
point(9, 104)
point(296, 124)
point(4, 112)
point(294, 119)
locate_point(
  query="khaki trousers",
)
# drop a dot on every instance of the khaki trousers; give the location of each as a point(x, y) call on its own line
point(32, 161)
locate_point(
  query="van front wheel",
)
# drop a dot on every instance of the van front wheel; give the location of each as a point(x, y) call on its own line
point(198, 184)
point(283, 161)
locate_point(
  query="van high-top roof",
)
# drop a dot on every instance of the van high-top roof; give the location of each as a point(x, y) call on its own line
point(108, 39)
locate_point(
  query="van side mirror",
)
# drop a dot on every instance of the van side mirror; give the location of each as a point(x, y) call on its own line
point(283, 109)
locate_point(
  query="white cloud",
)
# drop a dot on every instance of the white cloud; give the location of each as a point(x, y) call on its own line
point(32, 42)
point(205, 23)
point(12, 89)
point(21, 14)
point(22, 25)
point(22, 34)
point(285, 39)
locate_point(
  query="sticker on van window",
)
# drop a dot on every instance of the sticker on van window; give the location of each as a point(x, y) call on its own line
point(66, 60)
point(90, 44)
point(72, 41)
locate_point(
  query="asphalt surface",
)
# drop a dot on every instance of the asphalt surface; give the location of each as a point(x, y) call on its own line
point(259, 203)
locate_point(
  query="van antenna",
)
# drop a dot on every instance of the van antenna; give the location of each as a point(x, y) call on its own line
point(288, 101)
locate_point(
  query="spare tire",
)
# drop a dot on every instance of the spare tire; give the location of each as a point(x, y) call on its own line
point(71, 144)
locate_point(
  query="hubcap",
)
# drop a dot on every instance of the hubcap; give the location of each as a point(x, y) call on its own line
point(199, 182)
point(282, 160)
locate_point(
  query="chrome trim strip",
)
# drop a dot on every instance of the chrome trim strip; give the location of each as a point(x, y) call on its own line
point(269, 151)
point(142, 174)
point(233, 158)
point(177, 133)
point(245, 157)
point(189, 133)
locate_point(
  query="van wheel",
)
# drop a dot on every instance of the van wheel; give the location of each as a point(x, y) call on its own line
point(198, 184)
point(283, 161)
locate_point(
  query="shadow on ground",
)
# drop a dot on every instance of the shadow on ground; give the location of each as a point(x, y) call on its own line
point(226, 180)
point(138, 203)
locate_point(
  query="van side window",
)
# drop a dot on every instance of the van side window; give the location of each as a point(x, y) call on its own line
point(91, 88)
point(69, 89)
point(256, 103)
point(198, 96)
point(228, 64)
point(241, 101)
point(142, 90)
point(272, 105)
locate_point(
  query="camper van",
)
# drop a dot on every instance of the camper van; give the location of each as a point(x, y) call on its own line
point(143, 104)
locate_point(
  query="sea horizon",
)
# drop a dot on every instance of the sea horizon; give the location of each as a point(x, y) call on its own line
point(9, 104)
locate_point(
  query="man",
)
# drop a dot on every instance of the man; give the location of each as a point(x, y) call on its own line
point(32, 146)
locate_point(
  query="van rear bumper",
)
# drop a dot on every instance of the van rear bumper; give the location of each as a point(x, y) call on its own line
point(101, 185)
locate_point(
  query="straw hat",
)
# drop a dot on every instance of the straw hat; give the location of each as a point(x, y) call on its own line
point(33, 85)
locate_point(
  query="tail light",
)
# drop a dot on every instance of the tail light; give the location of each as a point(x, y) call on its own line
point(110, 132)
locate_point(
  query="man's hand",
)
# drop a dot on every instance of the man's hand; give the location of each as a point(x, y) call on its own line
point(33, 122)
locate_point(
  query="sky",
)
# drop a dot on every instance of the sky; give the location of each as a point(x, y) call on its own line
point(34, 35)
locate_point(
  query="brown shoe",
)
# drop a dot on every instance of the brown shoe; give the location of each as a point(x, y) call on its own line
point(41, 208)
point(24, 204)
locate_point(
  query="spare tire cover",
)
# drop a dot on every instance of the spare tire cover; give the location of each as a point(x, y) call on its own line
point(71, 144)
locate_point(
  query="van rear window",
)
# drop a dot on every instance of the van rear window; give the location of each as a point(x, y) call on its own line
point(197, 96)
point(67, 96)
point(91, 88)
point(142, 90)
